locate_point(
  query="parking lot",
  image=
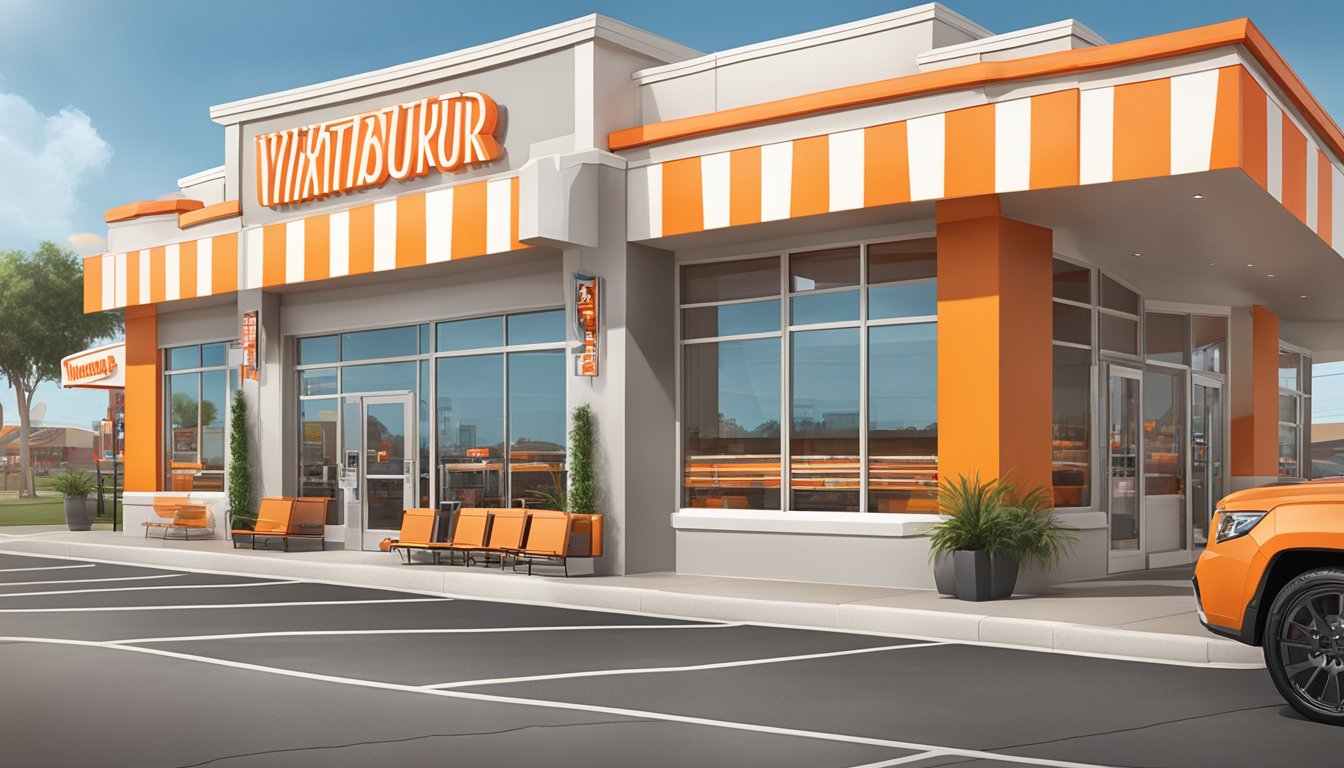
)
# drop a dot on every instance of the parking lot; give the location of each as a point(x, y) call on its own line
point(112, 664)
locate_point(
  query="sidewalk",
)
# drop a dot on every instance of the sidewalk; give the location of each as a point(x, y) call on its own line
point(1148, 616)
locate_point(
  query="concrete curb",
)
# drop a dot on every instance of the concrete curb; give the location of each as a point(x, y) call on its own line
point(1029, 634)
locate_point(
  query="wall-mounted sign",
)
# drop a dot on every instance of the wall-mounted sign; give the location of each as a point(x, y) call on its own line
point(399, 142)
point(586, 310)
point(249, 345)
point(101, 368)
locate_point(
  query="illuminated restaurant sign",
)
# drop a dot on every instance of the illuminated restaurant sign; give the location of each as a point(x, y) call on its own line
point(399, 142)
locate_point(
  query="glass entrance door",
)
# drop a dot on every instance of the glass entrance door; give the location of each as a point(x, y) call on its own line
point(387, 467)
point(1124, 493)
point(1206, 456)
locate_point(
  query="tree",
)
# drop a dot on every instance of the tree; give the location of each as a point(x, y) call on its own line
point(41, 321)
point(241, 514)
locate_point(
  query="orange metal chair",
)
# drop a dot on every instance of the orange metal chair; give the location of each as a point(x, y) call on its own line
point(417, 532)
point(547, 540)
point(272, 521)
point(165, 507)
point(471, 533)
point(506, 533)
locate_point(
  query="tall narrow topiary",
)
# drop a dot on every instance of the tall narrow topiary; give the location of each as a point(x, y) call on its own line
point(582, 483)
point(241, 512)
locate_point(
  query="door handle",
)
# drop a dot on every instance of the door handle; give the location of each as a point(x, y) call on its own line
point(406, 471)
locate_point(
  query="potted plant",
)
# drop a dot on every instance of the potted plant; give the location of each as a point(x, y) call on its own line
point(990, 530)
point(580, 497)
point(75, 487)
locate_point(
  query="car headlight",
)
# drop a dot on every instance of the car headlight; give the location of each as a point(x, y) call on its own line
point(1232, 525)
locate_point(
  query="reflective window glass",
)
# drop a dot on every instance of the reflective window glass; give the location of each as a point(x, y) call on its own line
point(1119, 334)
point(1072, 282)
point(214, 410)
point(537, 327)
point(730, 319)
point(478, 333)
point(1166, 338)
point(903, 300)
point(214, 355)
point(730, 280)
point(1072, 324)
point(469, 424)
point(902, 260)
point(379, 377)
point(386, 342)
point(1290, 364)
point(818, 270)
point(537, 428)
point(319, 349)
point(903, 418)
point(318, 381)
point(1071, 435)
point(1209, 338)
point(836, 307)
point(1118, 297)
point(730, 417)
point(824, 446)
point(318, 461)
point(184, 358)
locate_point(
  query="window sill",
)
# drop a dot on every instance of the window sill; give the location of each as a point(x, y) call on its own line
point(840, 523)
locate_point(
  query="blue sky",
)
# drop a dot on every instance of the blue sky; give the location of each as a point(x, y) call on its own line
point(102, 103)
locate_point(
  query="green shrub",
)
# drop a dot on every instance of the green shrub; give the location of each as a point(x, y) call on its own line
point(242, 513)
point(70, 483)
point(994, 516)
point(582, 496)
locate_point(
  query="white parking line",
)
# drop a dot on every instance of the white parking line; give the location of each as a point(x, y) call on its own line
point(915, 758)
point(4, 584)
point(208, 606)
point(685, 668)
point(444, 631)
point(146, 589)
point(47, 568)
point(617, 711)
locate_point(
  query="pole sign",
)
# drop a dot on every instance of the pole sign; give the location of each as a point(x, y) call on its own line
point(249, 344)
point(586, 316)
point(400, 142)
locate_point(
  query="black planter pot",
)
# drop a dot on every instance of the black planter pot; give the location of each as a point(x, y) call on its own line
point(981, 576)
point(77, 516)
point(945, 574)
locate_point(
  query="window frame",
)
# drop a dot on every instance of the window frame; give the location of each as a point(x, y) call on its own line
point(230, 385)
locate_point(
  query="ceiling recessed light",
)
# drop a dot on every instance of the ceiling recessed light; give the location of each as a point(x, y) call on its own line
point(1303, 296)
point(1213, 263)
point(1250, 265)
point(1138, 255)
point(1268, 275)
point(1197, 196)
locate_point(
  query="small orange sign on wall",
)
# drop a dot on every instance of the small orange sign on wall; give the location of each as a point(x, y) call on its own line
point(249, 344)
point(586, 313)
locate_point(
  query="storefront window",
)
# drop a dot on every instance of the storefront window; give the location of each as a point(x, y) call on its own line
point(903, 418)
point(470, 432)
point(382, 343)
point(1164, 447)
point(537, 327)
point(196, 393)
point(318, 460)
point(478, 333)
point(1119, 334)
point(1072, 324)
point(1071, 475)
point(1072, 282)
point(318, 350)
point(733, 414)
point(731, 394)
point(1166, 338)
point(1209, 341)
point(1294, 411)
point(537, 428)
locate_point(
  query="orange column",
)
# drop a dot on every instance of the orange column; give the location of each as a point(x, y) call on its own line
point(144, 411)
point(1255, 435)
point(994, 355)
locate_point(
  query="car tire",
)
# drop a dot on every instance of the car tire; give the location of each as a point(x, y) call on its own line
point(1304, 644)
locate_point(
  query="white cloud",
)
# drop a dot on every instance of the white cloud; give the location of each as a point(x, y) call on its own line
point(87, 243)
point(43, 161)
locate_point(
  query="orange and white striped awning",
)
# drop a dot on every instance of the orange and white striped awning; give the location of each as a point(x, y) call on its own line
point(420, 228)
point(1188, 123)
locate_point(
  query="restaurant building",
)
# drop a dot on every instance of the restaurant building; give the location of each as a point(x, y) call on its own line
point(798, 282)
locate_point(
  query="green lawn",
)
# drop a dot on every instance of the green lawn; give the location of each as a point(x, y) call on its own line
point(47, 509)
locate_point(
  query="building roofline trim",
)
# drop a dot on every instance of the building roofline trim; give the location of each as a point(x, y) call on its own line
point(200, 177)
point(868, 26)
point(1238, 32)
point(591, 27)
point(1013, 39)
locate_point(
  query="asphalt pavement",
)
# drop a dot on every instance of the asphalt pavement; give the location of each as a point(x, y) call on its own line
point(122, 665)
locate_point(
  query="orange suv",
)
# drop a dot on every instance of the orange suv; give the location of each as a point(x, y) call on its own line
point(1273, 575)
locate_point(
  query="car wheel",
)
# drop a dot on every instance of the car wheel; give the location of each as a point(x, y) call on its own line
point(1304, 644)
